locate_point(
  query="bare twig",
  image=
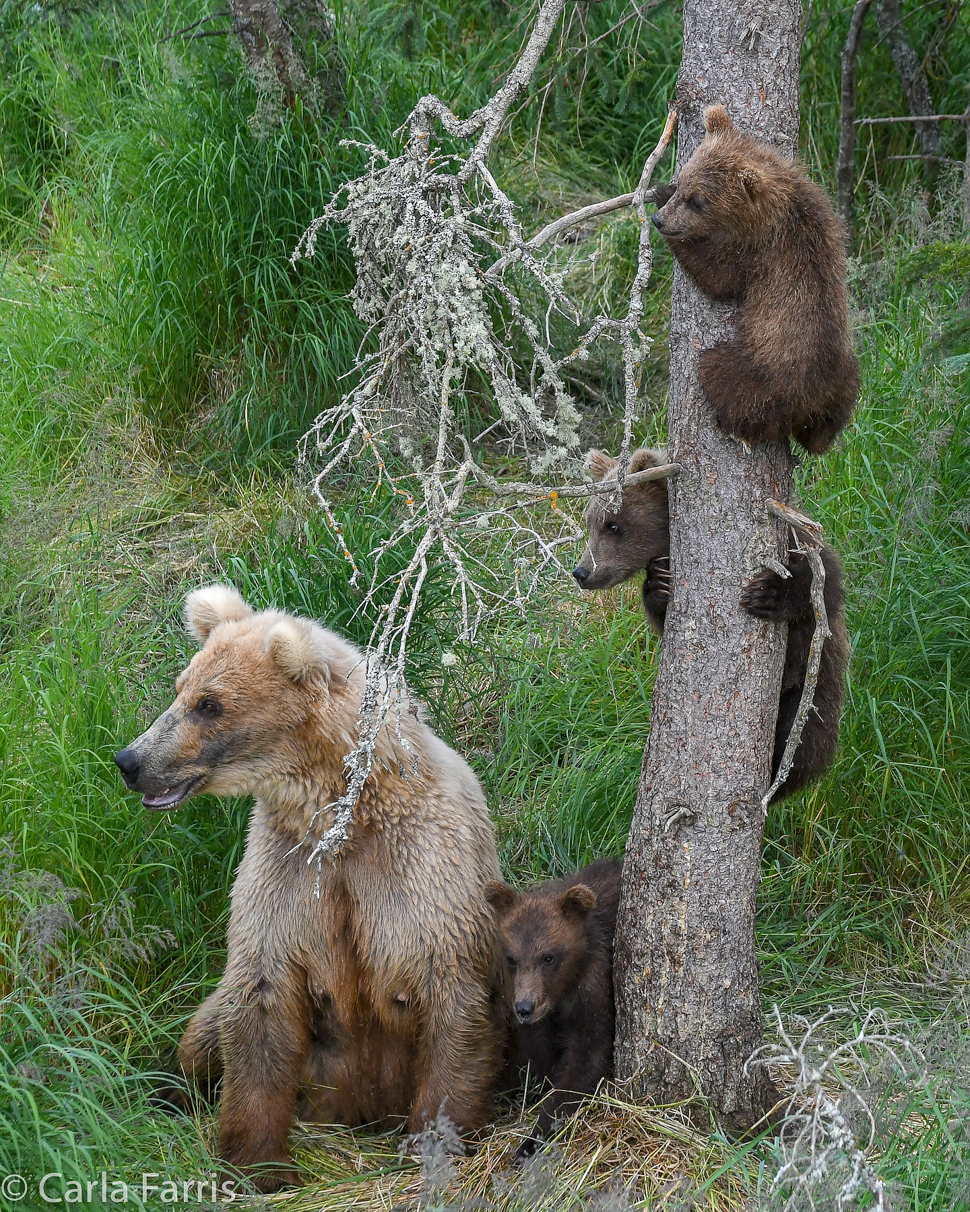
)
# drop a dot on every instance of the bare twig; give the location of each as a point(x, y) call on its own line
point(810, 533)
point(187, 29)
point(502, 488)
point(845, 168)
point(632, 341)
point(593, 211)
point(920, 156)
point(912, 118)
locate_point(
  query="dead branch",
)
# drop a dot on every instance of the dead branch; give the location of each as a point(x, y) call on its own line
point(818, 1140)
point(845, 167)
point(632, 342)
point(920, 156)
point(810, 532)
point(490, 118)
point(187, 29)
point(912, 118)
point(423, 229)
point(799, 522)
point(535, 492)
point(595, 210)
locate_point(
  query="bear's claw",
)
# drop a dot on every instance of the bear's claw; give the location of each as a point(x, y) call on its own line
point(765, 596)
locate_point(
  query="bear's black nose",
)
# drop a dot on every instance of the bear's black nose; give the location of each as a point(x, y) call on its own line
point(656, 221)
point(127, 763)
point(581, 574)
point(524, 1010)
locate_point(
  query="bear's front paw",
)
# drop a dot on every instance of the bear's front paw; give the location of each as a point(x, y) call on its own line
point(527, 1149)
point(174, 1097)
point(657, 584)
point(663, 193)
point(766, 596)
point(266, 1179)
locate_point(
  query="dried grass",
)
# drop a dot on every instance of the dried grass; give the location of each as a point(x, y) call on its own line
point(612, 1155)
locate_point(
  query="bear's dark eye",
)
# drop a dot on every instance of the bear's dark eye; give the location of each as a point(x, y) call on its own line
point(210, 706)
point(549, 959)
point(694, 202)
point(611, 528)
point(510, 960)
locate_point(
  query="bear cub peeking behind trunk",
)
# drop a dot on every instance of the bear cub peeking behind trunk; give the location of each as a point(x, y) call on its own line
point(557, 940)
point(749, 227)
point(366, 989)
point(636, 538)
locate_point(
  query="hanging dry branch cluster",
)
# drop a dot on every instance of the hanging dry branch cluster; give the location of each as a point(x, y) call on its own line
point(442, 267)
point(824, 1164)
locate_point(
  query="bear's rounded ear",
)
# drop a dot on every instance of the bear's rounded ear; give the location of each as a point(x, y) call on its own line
point(500, 896)
point(753, 181)
point(643, 458)
point(717, 120)
point(578, 900)
point(206, 608)
point(600, 464)
point(299, 648)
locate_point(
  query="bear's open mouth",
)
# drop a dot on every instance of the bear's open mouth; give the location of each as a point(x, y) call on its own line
point(171, 797)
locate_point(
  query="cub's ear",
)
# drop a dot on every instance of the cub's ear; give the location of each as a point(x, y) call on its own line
point(753, 181)
point(206, 608)
point(299, 649)
point(717, 120)
point(500, 896)
point(643, 458)
point(578, 900)
point(600, 464)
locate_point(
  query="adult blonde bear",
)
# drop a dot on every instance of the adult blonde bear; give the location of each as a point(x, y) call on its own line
point(365, 991)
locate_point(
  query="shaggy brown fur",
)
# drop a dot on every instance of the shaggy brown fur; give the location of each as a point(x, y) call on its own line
point(636, 538)
point(367, 990)
point(558, 945)
point(748, 226)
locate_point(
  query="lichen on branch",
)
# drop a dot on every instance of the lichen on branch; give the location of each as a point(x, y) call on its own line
point(454, 295)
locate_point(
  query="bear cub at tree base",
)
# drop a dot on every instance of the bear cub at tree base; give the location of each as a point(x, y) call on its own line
point(749, 227)
point(557, 940)
point(636, 538)
point(366, 988)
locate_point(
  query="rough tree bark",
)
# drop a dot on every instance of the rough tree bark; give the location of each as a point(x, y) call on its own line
point(688, 1002)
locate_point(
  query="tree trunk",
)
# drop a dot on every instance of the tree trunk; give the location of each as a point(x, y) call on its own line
point(267, 36)
point(845, 168)
point(913, 77)
point(688, 1003)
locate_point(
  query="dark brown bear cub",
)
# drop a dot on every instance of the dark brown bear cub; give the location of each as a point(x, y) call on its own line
point(557, 940)
point(748, 226)
point(636, 538)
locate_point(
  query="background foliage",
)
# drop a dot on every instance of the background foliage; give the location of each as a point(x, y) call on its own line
point(160, 361)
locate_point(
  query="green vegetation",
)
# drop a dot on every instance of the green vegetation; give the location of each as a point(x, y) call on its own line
point(160, 359)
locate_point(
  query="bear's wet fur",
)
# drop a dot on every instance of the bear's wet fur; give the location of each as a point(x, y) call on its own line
point(636, 538)
point(366, 989)
point(749, 227)
point(557, 939)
